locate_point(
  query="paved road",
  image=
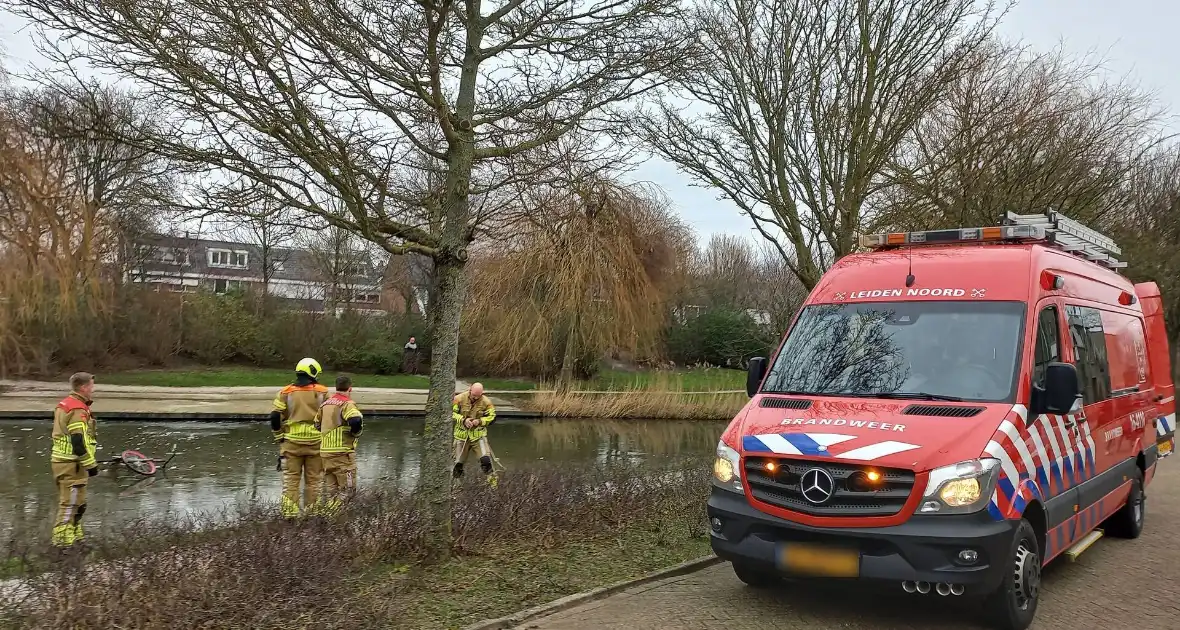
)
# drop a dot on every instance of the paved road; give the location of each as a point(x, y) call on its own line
point(1129, 584)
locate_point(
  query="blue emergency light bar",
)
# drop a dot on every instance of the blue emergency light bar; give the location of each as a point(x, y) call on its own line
point(957, 235)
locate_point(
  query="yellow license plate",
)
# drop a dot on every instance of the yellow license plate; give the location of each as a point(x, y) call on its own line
point(1165, 447)
point(819, 561)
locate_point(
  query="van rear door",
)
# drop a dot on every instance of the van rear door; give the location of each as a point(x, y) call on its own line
point(1160, 357)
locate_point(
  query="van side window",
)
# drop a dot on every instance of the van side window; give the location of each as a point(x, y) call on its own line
point(1089, 342)
point(1048, 348)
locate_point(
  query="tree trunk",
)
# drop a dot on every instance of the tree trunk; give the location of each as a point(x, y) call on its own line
point(434, 477)
point(565, 379)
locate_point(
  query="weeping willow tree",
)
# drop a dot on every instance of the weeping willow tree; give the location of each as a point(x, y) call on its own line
point(50, 248)
point(586, 274)
point(69, 201)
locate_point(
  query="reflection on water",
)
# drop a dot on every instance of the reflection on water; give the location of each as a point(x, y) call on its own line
point(222, 463)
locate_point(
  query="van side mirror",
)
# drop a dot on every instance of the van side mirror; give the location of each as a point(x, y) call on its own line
point(1060, 392)
point(754, 375)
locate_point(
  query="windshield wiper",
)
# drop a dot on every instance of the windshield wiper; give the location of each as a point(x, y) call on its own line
point(795, 392)
point(913, 395)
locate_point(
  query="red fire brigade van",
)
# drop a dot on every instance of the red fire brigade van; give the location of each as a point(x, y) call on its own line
point(949, 412)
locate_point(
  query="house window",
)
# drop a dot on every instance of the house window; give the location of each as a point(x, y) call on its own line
point(227, 258)
point(172, 256)
point(222, 286)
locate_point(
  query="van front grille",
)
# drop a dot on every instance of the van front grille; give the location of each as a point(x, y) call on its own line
point(851, 492)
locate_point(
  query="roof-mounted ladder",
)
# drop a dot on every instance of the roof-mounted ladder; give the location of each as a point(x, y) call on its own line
point(1069, 235)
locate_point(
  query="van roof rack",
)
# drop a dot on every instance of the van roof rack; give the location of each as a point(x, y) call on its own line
point(1071, 236)
point(1053, 228)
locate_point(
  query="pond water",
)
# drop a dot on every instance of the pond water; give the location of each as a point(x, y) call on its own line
point(221, 464)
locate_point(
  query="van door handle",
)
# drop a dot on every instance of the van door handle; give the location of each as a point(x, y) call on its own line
point(1158, 398)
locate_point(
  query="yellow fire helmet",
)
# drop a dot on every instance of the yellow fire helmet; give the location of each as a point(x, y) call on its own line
point(310, 367)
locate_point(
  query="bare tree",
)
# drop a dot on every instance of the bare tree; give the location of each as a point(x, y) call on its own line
point(804, 103)
point(778, 293)
point(1147, 229)
point(726, 272)
point(1020, 132)
point(86, 130)
point(343, 98)
point(340, 263)
point(258, 218)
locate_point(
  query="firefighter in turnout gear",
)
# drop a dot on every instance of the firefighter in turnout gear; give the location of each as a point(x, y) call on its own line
point(75, 439)
point(341, 424)
point(473, 412)
point(294, 422)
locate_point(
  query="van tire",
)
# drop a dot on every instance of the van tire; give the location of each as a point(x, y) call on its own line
point(1128, 521)
point(756, 577)
point(1013, 605)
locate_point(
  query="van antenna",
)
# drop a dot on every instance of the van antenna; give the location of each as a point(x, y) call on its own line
point(909, 279)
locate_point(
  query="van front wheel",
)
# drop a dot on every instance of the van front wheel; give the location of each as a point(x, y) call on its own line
point(1014, 604)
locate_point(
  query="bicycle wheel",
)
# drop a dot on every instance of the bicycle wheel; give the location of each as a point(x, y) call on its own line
point(139, 463)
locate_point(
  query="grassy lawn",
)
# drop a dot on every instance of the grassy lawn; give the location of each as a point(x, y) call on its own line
point(713, 379)
point(275, 377)
point(510, 579)
point(687, 380)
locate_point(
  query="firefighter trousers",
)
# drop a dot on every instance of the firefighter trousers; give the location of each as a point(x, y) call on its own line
point(339, 479)
point(463, 448)
point(71, 480)
point(301, 463)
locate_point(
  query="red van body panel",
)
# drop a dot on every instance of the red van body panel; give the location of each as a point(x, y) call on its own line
point(1160, 361)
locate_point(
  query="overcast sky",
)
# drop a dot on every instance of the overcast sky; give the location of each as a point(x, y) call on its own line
point(1135, 36)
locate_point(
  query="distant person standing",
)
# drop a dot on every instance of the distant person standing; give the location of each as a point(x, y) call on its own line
point(410, 357)
point(75, 439)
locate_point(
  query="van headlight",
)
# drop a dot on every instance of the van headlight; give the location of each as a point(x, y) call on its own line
point(960, 488)
point(727, 468)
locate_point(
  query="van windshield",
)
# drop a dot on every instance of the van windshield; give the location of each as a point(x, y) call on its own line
point(922, 350)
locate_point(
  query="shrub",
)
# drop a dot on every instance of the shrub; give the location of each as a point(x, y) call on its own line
point(251, 570)
point(725, 337)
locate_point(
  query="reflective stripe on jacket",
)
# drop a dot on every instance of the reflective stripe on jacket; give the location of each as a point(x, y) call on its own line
point(465, 408)
point(72, 416)
point(334, 416)
point(299, 406)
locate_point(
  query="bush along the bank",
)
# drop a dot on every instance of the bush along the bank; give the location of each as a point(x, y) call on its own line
point(362, 568)
point(723, 337)
point(158, 329)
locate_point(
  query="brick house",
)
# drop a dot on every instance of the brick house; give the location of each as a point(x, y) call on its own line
point(303, 279)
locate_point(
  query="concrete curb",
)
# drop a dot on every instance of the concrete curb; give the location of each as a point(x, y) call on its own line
point(404, 413)
point(570, 601)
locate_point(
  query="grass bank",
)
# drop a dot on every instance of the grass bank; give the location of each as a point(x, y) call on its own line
point(684, 380)
point(662, 395)
point(680, 380)
point(542, 534)
point(273, 377)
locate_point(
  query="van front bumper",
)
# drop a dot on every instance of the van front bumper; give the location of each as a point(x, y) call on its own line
point(923, 549)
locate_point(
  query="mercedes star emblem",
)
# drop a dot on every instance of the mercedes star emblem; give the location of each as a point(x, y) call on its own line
point(817, 485)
